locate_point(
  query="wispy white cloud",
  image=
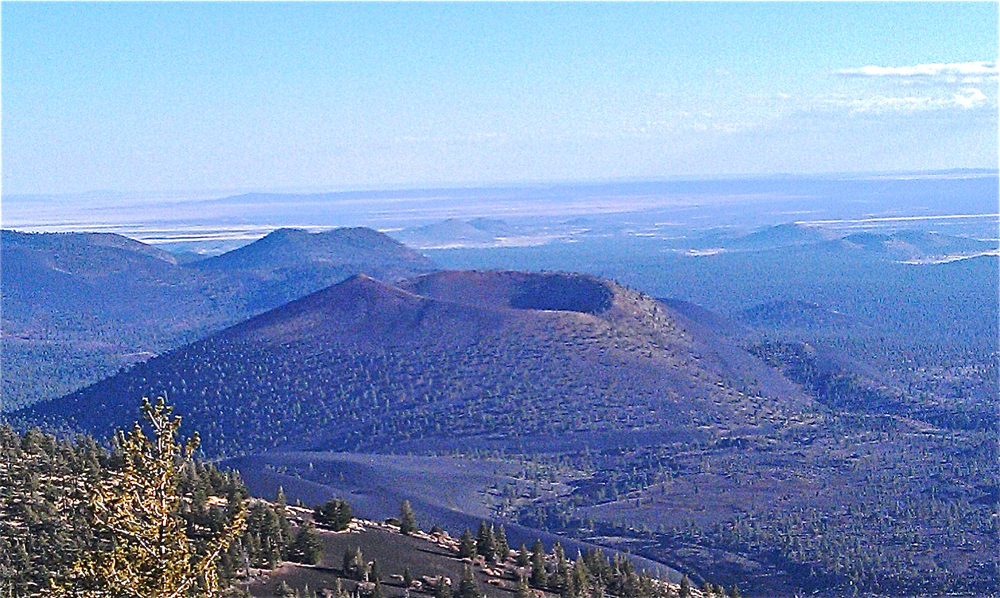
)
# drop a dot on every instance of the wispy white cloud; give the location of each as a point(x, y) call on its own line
point(683, 121)
point(945, 73)
point(972, 98)
point(954, 86)
point(881, 104)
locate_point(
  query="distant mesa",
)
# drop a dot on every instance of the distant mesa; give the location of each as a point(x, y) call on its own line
point(490, 225)
point(901, 246)
point(453, 232)
point(916, 246)
point(867, 241)
point(782, 235)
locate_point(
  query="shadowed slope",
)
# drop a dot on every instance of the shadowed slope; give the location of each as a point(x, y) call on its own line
point(78, 306)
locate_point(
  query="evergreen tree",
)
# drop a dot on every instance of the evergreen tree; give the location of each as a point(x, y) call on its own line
point(347, 562)
point(307, 546)
point(685, 590)
point(143, 549)
point(468, 588)
point(523, 591)
point(580, 579)
point(375, 576)
point(284, 528)
point(560, 581)
point(334, 514)
point(284, 590)
point(263, 536)
point(441, 588)
point(354, 565)
point(502, 547)
point(539, 576)
point(407, 519)
point(485, 542)
point(523, 556)
point(466, 545)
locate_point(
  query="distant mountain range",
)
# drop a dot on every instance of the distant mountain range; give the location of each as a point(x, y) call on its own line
point(901, 246)
point(447, 360)
point(78, 306)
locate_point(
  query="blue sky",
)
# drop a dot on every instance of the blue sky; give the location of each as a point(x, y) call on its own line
point(188, 96)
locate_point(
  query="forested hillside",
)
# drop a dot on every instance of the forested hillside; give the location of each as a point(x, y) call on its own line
point(367, 366)
point(77, 519)
point(78, 306)
point(148, 520)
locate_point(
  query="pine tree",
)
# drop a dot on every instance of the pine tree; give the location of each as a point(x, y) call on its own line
point(468, 588)
point(144, 551)
point(334, 514)
point(354, 565)
point(466, 545)
point(485, 542)
point(523, 556)
point(347, 562)
point(407, 519)
point(685, 591)
point(284, 528)
point(441, 588)
point(503, 548)
point(560, 580)
point(307, 547)
point(539, 577)
point(284, 590)
point(523, 591)
point(375, 576)
point(263, 536)
point(580, 578)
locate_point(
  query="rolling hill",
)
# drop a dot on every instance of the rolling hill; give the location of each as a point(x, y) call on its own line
point(918, 246)
point(790, 313)
point(78, 306)
point(291, 263)
point(453, 233)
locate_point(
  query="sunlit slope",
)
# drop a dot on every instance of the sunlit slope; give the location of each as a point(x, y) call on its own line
point(449, 360)
point(291, 263)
